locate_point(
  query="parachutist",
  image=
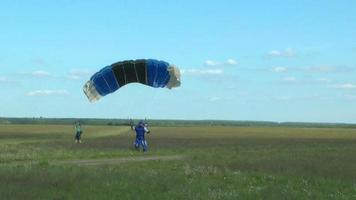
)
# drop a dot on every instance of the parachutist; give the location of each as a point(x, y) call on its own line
point(141, 130)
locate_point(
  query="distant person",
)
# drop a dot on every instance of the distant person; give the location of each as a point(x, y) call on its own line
point(131, 124)
point(78, 132)
point(141, 130)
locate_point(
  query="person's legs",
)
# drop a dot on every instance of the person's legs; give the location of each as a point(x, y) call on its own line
point(144, 145)
point(76, 138)
point(80, 137)
point(137, 144)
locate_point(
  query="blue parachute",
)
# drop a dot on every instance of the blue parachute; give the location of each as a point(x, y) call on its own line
point(154, 73)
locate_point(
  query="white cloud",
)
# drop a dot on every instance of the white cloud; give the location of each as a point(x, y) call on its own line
point(47, 93)
point(211, 63)
point(279, 69)
point(3, 79)
point(242, 93)
point(324, 80)
point(317, 97)
point(288, 53)
point(350, 97)
point(74, 74)
point(322, 98)
point(202, 72)
point(78, 74)
point(40, 73)
point(321, 69)
point(345, 86)
point(214, 99)
point(289, 79)
point(282, 98)
point(328, 69)
point(231, 61)
point(6, 80)
point(39, 61)
point(274, 53)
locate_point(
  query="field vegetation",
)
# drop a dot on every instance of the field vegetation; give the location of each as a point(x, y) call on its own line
point(41, 161)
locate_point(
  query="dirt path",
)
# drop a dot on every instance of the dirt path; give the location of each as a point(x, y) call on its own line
point(113, 161)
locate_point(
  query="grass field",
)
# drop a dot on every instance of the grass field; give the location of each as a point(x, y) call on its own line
point(43, 162)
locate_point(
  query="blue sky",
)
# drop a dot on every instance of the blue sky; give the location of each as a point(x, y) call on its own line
point(275, 60)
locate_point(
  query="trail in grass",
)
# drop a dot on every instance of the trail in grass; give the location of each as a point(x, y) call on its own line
point(100, 161)
point(113, 161)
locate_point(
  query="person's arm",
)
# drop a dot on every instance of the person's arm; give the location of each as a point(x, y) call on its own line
point(146, 130)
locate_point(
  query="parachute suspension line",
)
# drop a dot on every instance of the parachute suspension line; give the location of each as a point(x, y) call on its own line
point(153, 100)
point(131, 103)
point(129, 139)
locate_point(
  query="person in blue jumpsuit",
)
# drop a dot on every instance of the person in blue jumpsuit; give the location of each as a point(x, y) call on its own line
point(141, 130)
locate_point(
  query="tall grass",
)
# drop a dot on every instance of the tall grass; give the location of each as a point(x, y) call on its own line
point(219, 163)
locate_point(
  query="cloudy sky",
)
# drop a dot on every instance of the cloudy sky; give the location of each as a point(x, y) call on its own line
point(291, 60)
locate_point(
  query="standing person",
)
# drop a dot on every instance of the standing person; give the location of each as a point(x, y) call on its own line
point(141, 130)
point(78, 132)
point(131, 124)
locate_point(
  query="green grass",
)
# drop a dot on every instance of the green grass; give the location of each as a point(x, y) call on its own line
point(218, 163)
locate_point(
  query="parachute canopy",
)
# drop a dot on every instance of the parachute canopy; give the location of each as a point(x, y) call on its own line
point(154, 73)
